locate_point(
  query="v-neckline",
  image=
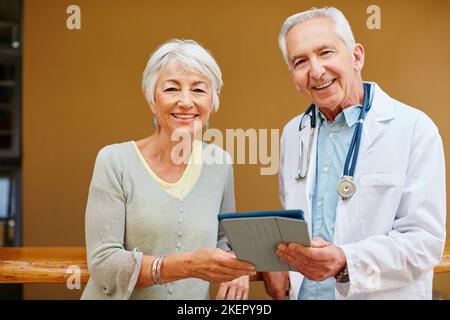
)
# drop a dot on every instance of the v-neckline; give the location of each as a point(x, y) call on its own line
point(159, 181)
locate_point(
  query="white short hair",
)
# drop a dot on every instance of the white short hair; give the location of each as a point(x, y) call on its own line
point(343, 29)
point(190, 55)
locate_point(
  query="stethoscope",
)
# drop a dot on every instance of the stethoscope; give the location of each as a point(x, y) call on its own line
point(346, 187)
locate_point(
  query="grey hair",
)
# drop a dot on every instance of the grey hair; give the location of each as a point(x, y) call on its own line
point(343, 29)
point(190, 55)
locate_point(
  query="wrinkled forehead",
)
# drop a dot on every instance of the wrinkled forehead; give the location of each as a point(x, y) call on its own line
point(311, 35)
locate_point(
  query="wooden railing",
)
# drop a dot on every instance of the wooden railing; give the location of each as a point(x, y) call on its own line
point(57, 264)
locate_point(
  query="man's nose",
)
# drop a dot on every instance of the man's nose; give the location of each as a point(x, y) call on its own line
point(316, 70)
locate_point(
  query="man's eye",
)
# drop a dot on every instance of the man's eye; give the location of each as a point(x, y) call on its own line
point(326, 52)
point(298, 63)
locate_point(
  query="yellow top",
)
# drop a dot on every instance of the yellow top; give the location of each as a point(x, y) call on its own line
point(186, 183)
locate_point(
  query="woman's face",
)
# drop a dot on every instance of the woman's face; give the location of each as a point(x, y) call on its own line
point(182, 97)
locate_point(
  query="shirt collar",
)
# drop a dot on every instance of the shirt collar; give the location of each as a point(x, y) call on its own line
point(350, 115)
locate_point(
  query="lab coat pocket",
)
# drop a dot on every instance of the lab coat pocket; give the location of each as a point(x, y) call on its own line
point(380, 195)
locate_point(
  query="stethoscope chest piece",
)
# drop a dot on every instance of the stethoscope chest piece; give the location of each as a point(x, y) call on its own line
point(346, 188)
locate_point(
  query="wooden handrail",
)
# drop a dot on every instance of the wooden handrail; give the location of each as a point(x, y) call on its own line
point(57, 264)
point(42, 264)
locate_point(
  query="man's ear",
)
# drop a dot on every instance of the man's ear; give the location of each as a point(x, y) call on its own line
point(358, 57)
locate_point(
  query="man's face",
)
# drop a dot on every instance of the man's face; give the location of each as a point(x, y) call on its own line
point(322, 66)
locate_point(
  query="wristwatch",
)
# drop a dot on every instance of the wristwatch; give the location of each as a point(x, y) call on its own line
point(342, 277)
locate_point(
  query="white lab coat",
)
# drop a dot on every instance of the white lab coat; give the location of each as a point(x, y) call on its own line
point(392, 230)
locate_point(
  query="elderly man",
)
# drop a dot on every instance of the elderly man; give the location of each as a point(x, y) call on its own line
point(367, 170)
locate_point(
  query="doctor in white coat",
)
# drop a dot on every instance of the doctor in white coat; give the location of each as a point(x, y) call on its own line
point(387, 237)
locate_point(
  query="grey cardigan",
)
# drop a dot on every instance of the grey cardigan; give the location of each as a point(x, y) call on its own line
point(128, 214)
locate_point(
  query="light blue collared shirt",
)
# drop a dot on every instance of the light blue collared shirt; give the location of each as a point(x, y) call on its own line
point(333, 142)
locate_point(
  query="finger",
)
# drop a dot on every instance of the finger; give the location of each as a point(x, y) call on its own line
point(230, 254)
point(223, 288)
point(296, 260)
point(231, 294)
point(293, 254)
point(240, 292)
point(310, 272)
point(282, 247)
point(243, 287)
point(246, 291)
point(233, 263)
point(318, 242)
point(239, 271)
point(317, 239)
point(298, 264)
point(309, 254)
point(294, 246)
point(225, 272)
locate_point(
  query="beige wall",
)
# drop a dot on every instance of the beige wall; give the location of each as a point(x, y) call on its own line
point(82, 89)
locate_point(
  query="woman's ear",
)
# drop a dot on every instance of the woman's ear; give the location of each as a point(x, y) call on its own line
point(215, 101)
point(358, 56)
point(152, 108)
point(151, 105)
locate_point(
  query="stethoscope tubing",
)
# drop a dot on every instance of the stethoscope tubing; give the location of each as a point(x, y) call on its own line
point(352, 154)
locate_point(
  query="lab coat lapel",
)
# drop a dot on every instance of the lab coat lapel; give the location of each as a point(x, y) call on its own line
point(374, 124)
point(311, 179)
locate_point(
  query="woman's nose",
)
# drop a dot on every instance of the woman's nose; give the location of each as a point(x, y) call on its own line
point(186, 100)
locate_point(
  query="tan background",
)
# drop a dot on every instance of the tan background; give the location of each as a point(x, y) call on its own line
point(82, 89)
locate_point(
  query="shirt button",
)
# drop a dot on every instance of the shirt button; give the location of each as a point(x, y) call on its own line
point(179, 233)
point(178, 246)
point(331, 135)
point(180, 220)
point(325, 169)
point(181, 210)
point(170, 291)
point(319, 203)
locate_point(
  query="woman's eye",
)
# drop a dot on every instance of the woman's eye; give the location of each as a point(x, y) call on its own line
point(199, 90)
point(170, 89)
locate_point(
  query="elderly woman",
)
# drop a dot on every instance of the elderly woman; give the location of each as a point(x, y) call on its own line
point(151, 220)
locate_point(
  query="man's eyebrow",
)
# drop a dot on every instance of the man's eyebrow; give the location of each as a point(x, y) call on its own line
point(318, 49)
point(325, 46)
point(297, 56)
